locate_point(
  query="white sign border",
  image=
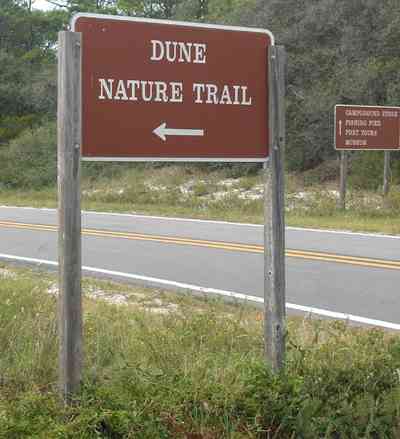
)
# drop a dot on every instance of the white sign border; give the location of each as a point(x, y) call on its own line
point(174, 23)
point(171, 22)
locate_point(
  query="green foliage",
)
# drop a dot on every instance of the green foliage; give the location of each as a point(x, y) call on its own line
point(28, 73)
point(149, 8)
point(394, 198)
point(24, 358)
point(334, 58)
point(366, 170)
point(343, 51)
point(326, 172)
point(201, 188)
point(30, 159)
point(11, 126)
point(199, 372)
point(212, 11)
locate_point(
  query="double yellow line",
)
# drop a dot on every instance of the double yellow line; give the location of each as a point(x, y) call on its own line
point(248, 248)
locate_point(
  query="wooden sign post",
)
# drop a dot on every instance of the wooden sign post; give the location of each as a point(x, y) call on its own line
point(386, 175)
point(343, 179)
point(274, 228)
point(200, 95)
point(69, 213)
point(366, 128)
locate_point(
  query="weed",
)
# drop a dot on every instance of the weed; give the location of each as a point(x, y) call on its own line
point(191, 191)
point(200, 189)
point(195, 373)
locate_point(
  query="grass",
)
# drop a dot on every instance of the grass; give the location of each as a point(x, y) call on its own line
point(196, 372)
point(195, 193)
point(348, 221)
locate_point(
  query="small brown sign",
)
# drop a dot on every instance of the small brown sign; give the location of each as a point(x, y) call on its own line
point(367, 127)
point(159, 90)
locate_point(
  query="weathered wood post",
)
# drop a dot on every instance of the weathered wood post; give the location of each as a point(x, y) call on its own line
point(69, 213)
point(274, 228)
point(343, 180)
point(386, 174)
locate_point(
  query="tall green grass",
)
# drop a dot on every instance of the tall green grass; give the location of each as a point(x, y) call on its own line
point(197, 373)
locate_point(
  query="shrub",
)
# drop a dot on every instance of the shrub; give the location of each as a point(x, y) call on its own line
point(366, 170)
point(30, 160)
point(196, 373)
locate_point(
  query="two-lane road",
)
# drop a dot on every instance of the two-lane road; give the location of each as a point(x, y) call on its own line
point(338, 271)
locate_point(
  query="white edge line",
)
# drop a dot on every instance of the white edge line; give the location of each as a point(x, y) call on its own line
point(171, 22)
point(203, 290)
point(345, 232)
point(195, 220)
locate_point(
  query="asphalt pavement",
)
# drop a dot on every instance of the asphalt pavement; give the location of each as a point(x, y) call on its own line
point(351, 273)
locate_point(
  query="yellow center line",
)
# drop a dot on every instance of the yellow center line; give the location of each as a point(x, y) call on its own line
point(249, 248)
point(142, 237)
point(343, 257)
point(348, 260)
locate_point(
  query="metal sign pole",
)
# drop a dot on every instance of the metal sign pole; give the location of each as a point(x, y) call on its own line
point(274, 228)
point(69, 213)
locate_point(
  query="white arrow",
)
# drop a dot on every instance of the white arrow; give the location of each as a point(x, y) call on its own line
point(162, 131)
point(340, 127)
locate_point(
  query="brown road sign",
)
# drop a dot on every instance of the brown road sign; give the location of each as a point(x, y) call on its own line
point(159, 90)
point(367, 127)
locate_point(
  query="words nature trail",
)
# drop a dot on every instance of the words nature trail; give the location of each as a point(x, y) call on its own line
point(140, 90)
point(173, 90)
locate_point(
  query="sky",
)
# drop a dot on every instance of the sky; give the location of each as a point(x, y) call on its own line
point(42, 4)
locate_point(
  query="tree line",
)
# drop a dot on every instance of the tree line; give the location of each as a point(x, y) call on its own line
point(339, 52)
